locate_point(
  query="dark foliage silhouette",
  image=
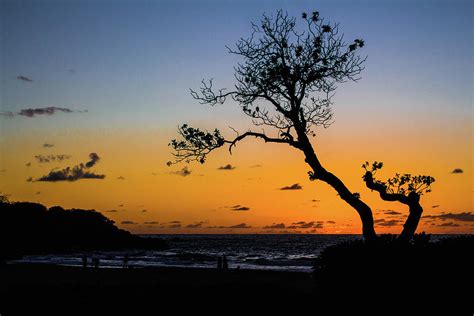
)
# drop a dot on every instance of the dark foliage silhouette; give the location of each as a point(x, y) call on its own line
point(417, 272)
point(404, 188)
point(31, 228)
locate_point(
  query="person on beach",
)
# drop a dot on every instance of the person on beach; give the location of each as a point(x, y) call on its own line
point(219, 263)
point(95, 262)
point(125, 260)
point(225, 265)
point(84, 261)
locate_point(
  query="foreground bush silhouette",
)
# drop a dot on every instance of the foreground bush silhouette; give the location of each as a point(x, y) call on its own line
point(420, 271)
point(30, 228)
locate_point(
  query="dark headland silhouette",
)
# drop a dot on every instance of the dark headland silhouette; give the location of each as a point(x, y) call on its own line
point(31, 228)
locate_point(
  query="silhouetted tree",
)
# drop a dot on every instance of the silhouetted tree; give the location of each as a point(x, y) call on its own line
point(285, 82)
point(404, 188)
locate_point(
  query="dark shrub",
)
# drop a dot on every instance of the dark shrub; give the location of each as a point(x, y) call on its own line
point(387, 270)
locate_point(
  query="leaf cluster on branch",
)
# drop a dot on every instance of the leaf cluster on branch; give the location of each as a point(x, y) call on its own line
point(401, 184)
point(195, 145)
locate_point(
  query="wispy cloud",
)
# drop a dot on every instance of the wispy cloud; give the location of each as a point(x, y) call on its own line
point(319, 224)
point(51, 158)
point(128, 223)
point(449, 224)
point(306, 225)
point(195, 225)
point(462, 217)
point(240, 226)
point(391, 212)
point(33, 112)
point(295, 186)
point(385, 223)
point(47, 145)
point(239, 208)
point(183, 172)
point(75, 173)
point(457, 170)
point(24, 78)
point(275, 226)
point(226, 167)
point(43, 111)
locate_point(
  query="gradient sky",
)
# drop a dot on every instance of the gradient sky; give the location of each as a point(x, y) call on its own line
point(125, 69)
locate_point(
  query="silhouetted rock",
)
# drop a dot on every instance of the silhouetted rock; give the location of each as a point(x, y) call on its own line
point(30, 228)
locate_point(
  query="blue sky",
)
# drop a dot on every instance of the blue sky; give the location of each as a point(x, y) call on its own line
point(132, 62)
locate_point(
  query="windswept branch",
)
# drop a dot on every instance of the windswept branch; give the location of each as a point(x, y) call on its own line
point(285, 140)
point(382, 189)
point(406, 189)
point(195, 144)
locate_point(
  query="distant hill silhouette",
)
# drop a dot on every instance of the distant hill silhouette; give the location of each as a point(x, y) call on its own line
point(31, 228)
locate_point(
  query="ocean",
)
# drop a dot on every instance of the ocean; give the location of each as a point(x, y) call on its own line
point(293, 252)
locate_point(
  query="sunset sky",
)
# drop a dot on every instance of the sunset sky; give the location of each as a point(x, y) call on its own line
point(113, 78)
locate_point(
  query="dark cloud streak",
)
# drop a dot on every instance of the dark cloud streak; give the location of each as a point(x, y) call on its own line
point(183, 172)
point(295, 186)
point(462, 217)
point(226, 167)
point(75, 173)
point(24, 78)
point(34, 112)
point(50, 158)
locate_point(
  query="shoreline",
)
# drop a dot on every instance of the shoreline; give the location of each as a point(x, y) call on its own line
point(162, 267)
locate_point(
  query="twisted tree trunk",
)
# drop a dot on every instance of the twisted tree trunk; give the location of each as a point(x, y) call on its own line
point(322, 174)
point(413, 219)
point(412, 200)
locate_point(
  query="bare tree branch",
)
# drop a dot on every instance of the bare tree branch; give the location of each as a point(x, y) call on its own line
point(197, 144)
